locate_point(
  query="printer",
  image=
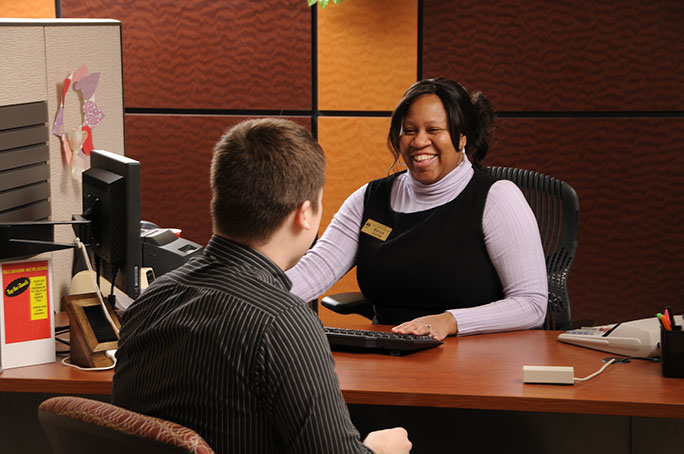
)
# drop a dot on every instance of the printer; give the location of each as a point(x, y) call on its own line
point(163, 250)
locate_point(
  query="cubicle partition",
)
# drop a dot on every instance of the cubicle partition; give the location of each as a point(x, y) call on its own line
point(37, 56)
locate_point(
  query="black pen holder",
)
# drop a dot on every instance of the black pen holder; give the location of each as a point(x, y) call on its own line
point(672, 352)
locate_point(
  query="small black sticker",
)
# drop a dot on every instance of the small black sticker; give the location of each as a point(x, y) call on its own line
point(17, 287)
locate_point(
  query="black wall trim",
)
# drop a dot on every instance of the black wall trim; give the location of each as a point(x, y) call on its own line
point(419, 53)
point(355, 113)
point(234, 112)
point(591, 114)
point(314, 70)
point(315, 114)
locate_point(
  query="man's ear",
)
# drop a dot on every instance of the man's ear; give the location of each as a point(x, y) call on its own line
point(303, 215)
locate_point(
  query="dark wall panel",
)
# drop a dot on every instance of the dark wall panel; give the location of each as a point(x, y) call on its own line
point(533, 55)
point(175, 154)
point(627, 172)
point(236, 54)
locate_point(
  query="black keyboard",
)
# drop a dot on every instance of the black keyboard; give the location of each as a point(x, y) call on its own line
point(376, 341)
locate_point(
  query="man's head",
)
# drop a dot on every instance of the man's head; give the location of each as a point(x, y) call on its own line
point(261, 171)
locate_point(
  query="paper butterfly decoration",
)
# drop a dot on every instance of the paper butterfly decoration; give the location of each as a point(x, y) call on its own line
point(80, 138)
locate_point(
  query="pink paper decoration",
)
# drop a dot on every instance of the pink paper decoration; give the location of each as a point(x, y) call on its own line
point(67, 151)
point(80, 73)
point(92, 115)
point(87, 85)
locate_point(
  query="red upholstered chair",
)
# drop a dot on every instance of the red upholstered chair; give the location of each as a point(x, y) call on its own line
point(77, 425)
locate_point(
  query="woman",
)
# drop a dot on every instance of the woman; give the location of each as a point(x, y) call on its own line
point(443, 248)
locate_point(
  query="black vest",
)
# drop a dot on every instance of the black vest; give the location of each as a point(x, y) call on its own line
point(432, 260)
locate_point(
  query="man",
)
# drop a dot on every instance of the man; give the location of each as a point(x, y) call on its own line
point(220, 345)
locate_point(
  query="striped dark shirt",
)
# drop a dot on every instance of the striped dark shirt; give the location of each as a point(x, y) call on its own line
point(220, 345)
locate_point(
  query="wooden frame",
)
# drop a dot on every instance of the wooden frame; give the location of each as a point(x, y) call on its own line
point(86, 349)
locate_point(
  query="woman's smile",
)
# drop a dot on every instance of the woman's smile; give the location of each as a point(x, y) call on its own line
point(425, 142)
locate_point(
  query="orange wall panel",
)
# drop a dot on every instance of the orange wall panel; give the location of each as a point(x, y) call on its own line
point(367, 53)
point(356, 153)
point(34, 9)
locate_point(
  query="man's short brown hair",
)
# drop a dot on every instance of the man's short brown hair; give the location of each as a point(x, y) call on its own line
point(261, 171)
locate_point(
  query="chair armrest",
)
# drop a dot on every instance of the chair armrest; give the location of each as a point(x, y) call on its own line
point(349, 303)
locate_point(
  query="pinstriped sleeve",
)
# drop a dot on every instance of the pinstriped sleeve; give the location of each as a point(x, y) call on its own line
point(301, 390)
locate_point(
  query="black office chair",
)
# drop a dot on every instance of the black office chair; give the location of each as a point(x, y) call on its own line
point(556, 207)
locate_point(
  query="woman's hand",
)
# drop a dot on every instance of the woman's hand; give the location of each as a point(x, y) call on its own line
point(437, 326)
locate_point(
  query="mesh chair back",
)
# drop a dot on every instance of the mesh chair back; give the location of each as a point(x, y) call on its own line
point(76, 425)
point(556, 207)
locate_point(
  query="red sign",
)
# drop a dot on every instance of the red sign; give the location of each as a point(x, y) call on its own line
point(26, 296)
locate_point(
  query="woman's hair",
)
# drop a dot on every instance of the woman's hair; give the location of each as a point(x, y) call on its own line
point(261, 171)
point(472, 116)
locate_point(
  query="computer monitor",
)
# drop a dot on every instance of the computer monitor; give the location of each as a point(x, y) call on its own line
point(111, 201)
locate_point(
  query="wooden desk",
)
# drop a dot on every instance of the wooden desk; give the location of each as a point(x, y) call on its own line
point(55, 378)
point(475, 372)
point(485, 372)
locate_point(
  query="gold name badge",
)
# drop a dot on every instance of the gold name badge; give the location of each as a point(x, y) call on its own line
point(376, 230)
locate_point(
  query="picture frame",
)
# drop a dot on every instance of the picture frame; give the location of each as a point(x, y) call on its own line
point(91, 333)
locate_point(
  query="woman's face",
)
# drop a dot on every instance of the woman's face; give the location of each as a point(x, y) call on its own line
point(425, 143)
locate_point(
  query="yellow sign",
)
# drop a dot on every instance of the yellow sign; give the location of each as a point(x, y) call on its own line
point(39, 298)
point(376, 230)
